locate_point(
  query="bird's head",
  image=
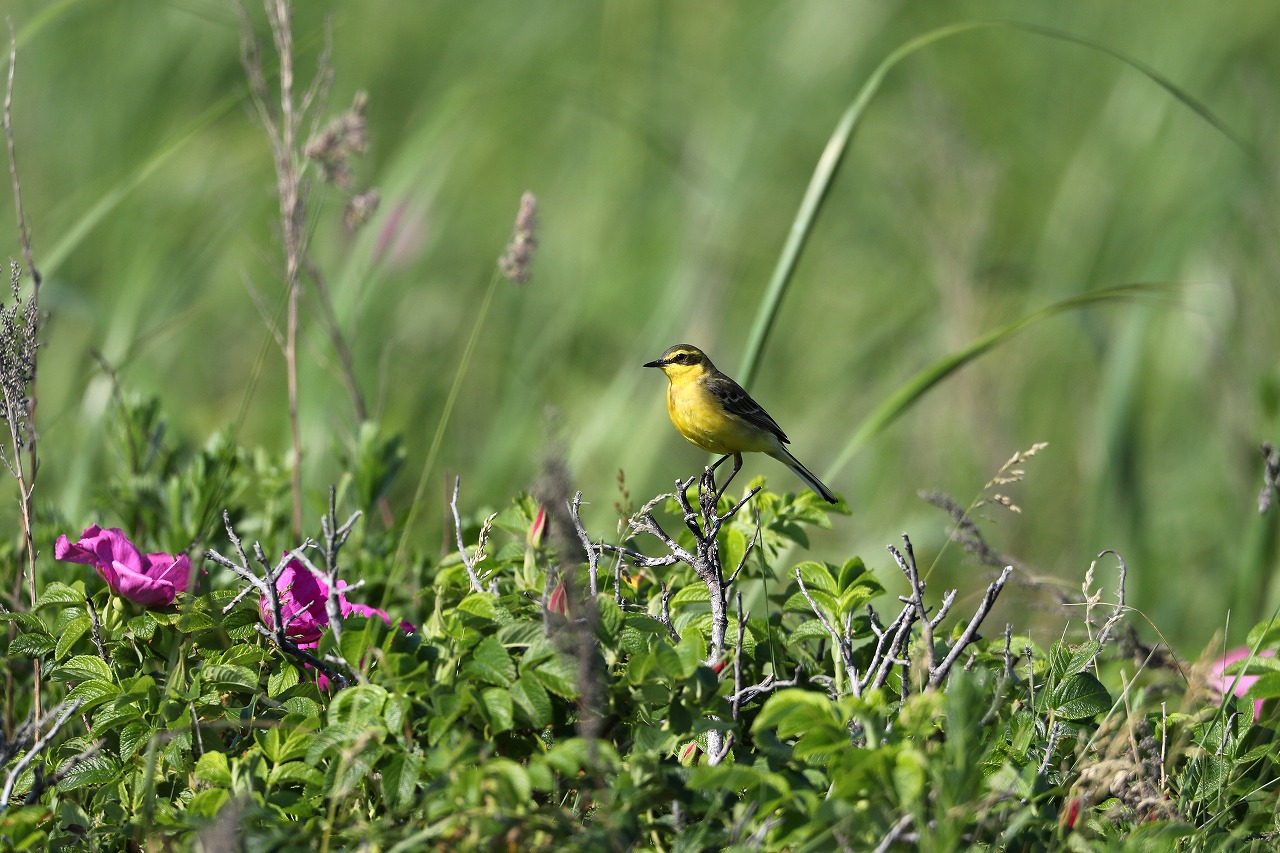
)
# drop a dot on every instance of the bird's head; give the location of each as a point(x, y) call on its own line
point(683, 360)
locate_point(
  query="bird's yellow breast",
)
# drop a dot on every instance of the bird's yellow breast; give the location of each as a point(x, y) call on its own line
point(703, 420)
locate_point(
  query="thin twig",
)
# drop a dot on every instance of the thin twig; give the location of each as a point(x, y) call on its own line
point(462, 548)
point(894, 833)
point(936, 676)
point(593, 553)
point(23, 763)
point(95, 629)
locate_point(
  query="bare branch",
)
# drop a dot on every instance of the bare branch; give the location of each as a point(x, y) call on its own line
point(67, 710)
point(937, 675)
point(462, 547)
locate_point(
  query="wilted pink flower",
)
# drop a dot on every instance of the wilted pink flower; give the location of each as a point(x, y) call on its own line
point(303, 597)
point(148, 579)
point(302, 605)
point(1222, 683)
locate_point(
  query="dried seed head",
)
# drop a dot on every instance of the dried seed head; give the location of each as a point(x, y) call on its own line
point(360, 209)
point(18, 329)
point(515, 261)
point(344, 136)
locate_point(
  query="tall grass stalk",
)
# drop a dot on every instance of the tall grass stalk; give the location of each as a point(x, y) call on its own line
point(833, 154)
point(397, 565)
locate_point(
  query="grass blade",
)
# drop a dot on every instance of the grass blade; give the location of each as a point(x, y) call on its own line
point(833, 154)
point(917, 386)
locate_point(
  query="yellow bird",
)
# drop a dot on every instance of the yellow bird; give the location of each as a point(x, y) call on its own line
point(715, 413)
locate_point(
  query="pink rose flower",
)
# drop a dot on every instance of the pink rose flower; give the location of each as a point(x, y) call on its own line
point(1222, 683)
point(303, 597)
point(148, 579)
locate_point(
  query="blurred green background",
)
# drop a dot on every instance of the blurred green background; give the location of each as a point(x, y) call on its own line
point(669, 145)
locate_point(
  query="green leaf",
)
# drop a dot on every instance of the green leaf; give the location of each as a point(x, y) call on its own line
point(242, 654)
point(58, 594)
point(228, 677)
point(360, 706)
point(31, 645)
point(132, 738)
point(1080, 697)
point(816, 576)
point(532, 701)
point(794, 711)
point(303, 706)
point(512, 780)
point(213, 769)
point(192, 621)
point(94, 770)
point(1082, 655)
point(1253, 666)
point(479, 604)
point(692, 650)
point(298, 773)
point(498, 708)
point(807, 630)
point(491, 663)
point(118, 713)
point(83, 668)
point(207, 803)
point(1264, 635)
point(142, 627)
point(94, 692)
point(559, 675)
point(71, 634)
point(400, 781)
point(520, 634)
point(694, 593)
point(1266, 687)
point(282, 680)
point(732, 550)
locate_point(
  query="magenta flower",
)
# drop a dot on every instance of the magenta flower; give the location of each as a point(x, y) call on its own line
point(148, 579)
point(1222, 683)
point(303, 596)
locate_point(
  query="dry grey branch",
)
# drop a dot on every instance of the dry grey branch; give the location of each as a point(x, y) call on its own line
point(334, 538)
point(705, 524)
point(23, 740)
point(266, 587)
point(467, 561)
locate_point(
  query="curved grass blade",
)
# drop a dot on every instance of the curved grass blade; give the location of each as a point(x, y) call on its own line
point(832, 155)
point(917, 386)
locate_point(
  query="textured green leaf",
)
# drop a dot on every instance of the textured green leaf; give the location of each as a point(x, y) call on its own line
point(498, 708)
point(359, 705)
point(694, 593)
point(559, 675)
point(532, 701)
point(1080, 697)
point(83, 668)
point(282, 679)
point(228, 677)
point(31, 645)
point(490, 663)
point(71, 634)
point(93, 692)
point(1266, 687)
point(95, 770)
point(59, 594)
point(213, 769)
point(794, 711)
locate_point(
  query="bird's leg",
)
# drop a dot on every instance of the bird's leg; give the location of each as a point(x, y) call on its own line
point(737, 466)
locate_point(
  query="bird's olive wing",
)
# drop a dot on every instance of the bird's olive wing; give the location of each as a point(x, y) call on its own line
point(738, 402)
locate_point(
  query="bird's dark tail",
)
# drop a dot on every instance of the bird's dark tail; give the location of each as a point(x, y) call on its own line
point(784, 456)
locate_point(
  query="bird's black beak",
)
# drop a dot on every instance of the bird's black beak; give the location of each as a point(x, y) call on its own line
point(658, 363)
